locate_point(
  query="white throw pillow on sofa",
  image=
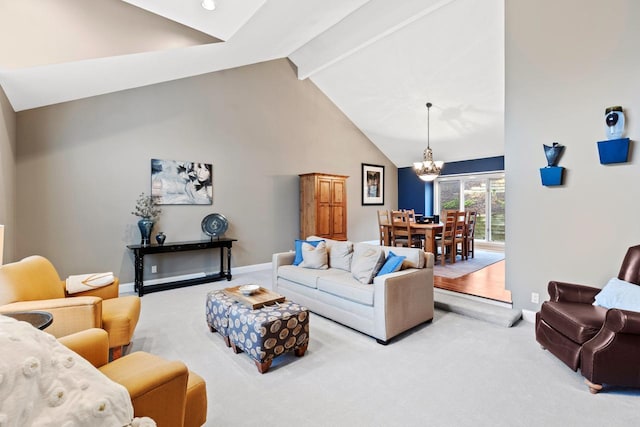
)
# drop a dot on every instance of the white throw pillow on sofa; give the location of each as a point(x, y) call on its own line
point(340, 255)
point(314, 256)
point(367, 261)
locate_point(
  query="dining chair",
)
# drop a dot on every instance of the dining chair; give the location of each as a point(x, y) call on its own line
point(450, 237)
point(469, 240)
point(401, 231)
point(461, 233)
point(384, 225)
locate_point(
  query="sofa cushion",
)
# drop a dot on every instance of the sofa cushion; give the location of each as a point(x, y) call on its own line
point(298, 246)
point(345, 286)
point(414, 257)
point(341, 255)
point(367, 261)
point(314, 257)
point(392, 264)
point(576, 321)
point(305, 276)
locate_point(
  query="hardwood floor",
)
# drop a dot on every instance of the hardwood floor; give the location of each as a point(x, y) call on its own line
point(486, 283)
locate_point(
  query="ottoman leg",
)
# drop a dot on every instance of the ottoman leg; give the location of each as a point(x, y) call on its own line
point(263, 367)
point(227, 341)
point(235, 348)
point(301, 350)
point(212, 329)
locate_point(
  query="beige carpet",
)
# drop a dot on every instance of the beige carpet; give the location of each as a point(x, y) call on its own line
point(453, 372)
point(462, 267)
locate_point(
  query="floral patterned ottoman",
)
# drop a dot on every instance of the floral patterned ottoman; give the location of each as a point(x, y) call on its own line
point(218, 307)
point(268, 332)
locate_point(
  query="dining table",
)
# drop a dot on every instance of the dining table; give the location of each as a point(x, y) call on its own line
point(429, 231)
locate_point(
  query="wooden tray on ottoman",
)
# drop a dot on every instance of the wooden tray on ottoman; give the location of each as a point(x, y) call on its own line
point(259, 299)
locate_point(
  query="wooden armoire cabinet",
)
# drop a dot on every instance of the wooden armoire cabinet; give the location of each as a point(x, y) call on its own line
point(323, 206)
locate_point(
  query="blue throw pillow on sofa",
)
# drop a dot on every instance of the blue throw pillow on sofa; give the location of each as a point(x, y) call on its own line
point(393, 263)
point(298, 259)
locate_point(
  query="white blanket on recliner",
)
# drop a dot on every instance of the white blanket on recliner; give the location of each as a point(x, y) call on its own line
point(87, 282)
point(43, 383)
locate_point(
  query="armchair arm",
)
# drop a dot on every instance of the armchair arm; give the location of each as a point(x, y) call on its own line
point(402, 300)
point(622, 321)
point(91, 344)
point(279, 259)
point(158, 387)
point(569, 292)
point(105, 292)
point(69, 314)
point(611, 356)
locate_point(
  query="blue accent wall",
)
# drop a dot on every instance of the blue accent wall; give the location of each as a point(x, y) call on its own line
point(418, 195)
point(411, 191)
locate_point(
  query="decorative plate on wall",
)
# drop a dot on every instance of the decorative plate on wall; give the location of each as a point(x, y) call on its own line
point(215, 224)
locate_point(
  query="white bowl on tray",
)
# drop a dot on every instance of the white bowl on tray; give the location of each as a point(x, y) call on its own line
point(248, 290)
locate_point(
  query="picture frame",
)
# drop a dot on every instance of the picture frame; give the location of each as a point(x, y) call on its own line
point(175, 182)
point(372, 185)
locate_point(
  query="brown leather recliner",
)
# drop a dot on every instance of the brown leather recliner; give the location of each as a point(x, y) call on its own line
point(604, 344)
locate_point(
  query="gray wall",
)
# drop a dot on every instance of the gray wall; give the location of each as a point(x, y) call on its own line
point(82, 164)
point(7, 173)
point(565, 63)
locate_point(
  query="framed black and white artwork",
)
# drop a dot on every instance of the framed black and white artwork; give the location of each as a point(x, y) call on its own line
point(175, 182)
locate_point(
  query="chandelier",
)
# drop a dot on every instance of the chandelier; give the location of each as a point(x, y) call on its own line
point(428, 170)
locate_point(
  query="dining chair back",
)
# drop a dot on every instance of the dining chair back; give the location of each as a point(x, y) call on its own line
point(384, 225)
point(451, 236)
point(469, 240)
point(401, 231)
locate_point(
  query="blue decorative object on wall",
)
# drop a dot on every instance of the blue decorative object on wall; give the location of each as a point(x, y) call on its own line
point(552, 174)
point(613, 151)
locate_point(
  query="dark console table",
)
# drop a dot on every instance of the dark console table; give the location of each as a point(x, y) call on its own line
point(140, 251)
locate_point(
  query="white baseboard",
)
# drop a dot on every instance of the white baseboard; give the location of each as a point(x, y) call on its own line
point(529, 316)
point(128, 288)
point(473, 298)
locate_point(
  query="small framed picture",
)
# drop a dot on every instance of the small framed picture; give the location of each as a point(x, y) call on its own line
point(372, 184)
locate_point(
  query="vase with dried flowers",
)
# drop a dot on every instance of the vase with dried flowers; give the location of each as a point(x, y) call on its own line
point(148, 211)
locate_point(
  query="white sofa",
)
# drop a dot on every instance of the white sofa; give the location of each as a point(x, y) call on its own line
point(392, 304)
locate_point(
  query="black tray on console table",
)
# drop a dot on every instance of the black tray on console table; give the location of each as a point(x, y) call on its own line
point(139, 251)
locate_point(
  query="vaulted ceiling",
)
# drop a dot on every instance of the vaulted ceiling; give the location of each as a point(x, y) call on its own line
point(378, 61)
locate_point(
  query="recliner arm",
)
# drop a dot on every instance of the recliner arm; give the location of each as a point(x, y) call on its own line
point(91, 344)
point(70, 315)
point(622, 321)
point(570, 292)
point(157, 386)
point(105, 292)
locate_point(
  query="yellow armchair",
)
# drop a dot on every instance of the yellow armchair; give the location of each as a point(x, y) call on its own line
point(163, 390)
point(34, 284)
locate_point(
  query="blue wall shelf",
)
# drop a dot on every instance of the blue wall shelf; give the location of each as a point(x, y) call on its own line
point(613, 151)
point(551, 175)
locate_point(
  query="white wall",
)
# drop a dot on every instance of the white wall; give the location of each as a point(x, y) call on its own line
point(7, 174)
point(566, 61)
point(82, 164)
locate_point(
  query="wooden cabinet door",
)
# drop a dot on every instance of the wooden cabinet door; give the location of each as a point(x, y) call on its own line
point(339, 210)
point(323, 206)
point(324, 198)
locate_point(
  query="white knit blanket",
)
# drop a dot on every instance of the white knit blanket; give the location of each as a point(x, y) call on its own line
point(44, 384)
point(86, 282)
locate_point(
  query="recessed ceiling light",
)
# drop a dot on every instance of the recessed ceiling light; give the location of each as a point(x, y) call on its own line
point(208, 4)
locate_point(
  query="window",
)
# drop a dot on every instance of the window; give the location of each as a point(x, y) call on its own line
point(483, 193)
